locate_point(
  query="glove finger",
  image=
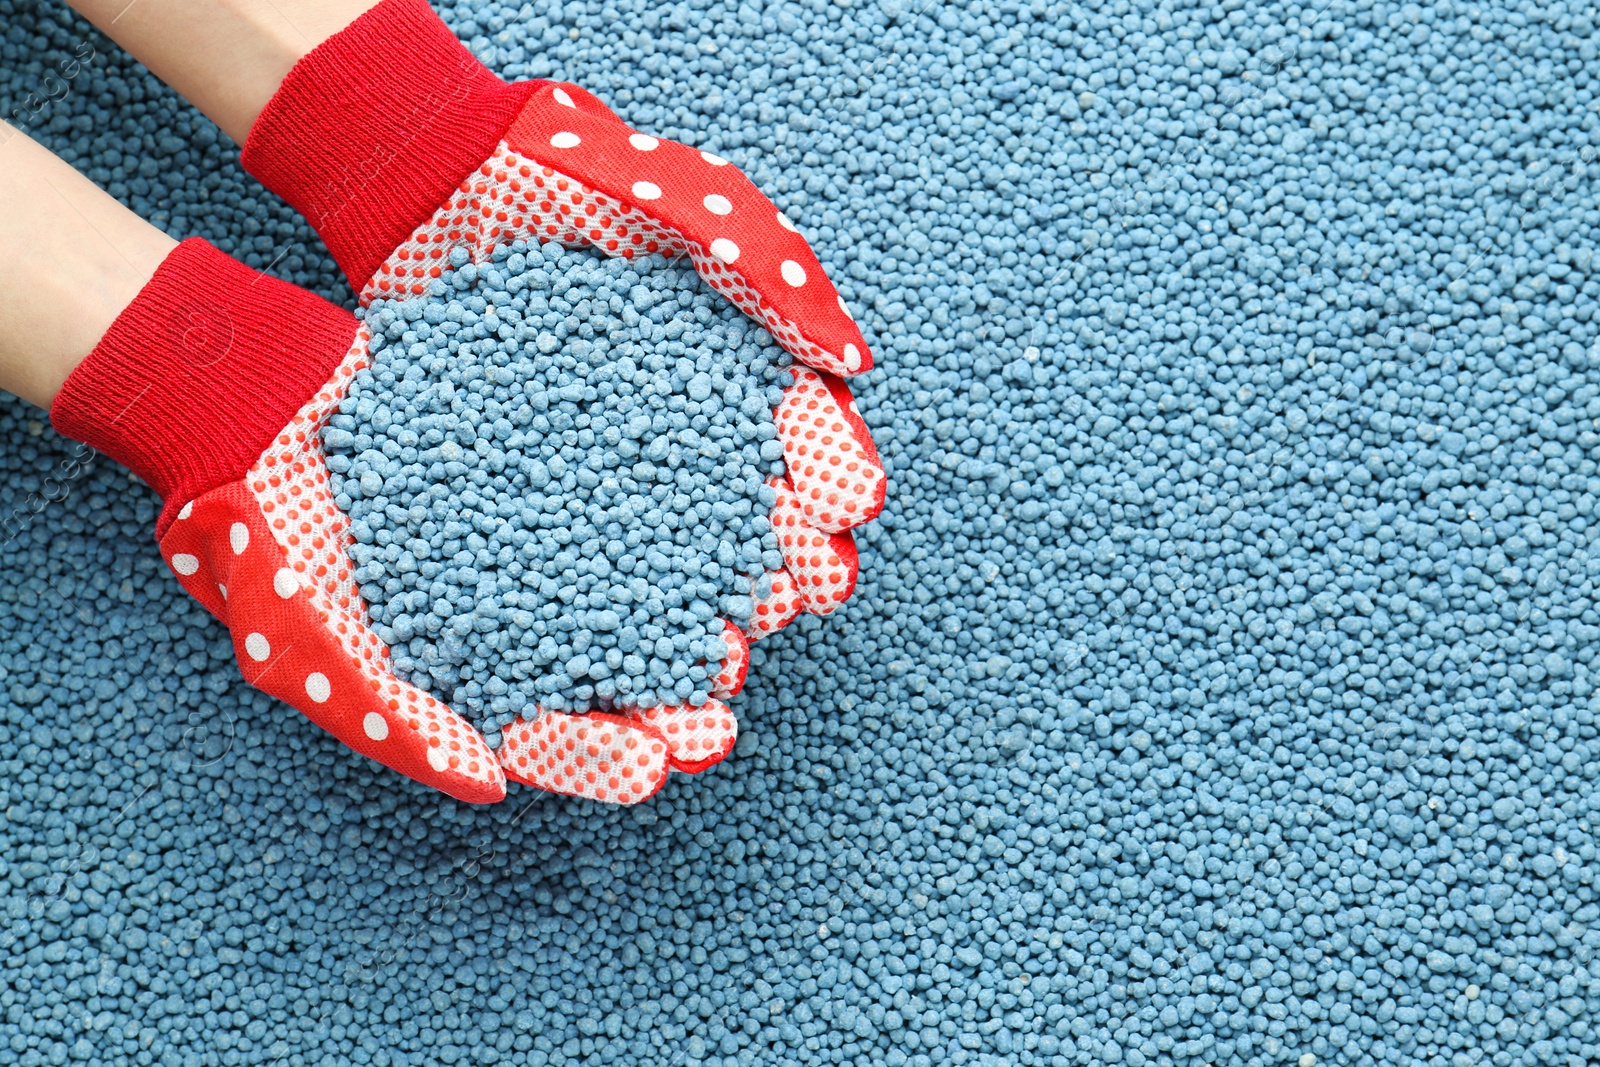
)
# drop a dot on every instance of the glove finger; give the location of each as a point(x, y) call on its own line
point(735, 665)
point(610, 758)
point(294, 644)
point(777, 607)
point(697, 737)
point(824, 566)
point(828, 453)
point(626, 192)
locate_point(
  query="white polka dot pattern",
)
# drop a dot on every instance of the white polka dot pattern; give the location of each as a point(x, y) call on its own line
point(284, 582)
point(823, 565)
point(837, 477)
point(739, 293)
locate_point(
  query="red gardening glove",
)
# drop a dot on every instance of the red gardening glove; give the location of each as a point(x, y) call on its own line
point(399, 146)
point(213, 386)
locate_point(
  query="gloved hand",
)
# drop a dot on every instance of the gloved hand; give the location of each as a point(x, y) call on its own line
point(212, 386)
point(399, 146)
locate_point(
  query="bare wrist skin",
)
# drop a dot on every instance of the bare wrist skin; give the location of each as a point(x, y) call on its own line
point(226, 57)
point(75, 258)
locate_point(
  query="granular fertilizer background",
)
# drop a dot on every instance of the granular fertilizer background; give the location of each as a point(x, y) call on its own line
point(1220, 687)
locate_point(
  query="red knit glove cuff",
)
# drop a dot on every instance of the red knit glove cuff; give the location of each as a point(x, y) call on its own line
point(197, 375)
point(376, 127)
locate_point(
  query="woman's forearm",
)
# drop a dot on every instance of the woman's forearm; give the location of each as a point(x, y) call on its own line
point(226, 57)
point(71, 258)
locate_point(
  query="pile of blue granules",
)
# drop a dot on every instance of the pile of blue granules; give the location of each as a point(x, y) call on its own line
point(556, 472)
point(1220, 687)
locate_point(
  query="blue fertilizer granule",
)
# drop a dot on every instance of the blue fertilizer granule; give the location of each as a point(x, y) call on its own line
point(1220, 686)
point(556, 473)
